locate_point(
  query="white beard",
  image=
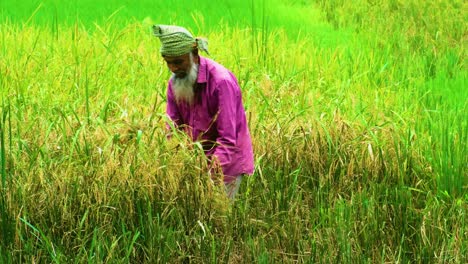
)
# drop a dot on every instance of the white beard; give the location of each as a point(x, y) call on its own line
point(183, 87)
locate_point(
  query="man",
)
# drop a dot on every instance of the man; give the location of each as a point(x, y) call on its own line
point(204, 99)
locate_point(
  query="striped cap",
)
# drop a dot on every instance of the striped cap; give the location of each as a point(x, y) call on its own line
point(176, 41)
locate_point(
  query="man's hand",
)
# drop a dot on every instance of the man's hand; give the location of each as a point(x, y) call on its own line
point(216, 171)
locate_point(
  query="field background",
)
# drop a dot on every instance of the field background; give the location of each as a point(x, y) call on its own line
point(358, 112)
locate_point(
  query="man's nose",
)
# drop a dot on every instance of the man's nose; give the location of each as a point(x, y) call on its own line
point(173, 68)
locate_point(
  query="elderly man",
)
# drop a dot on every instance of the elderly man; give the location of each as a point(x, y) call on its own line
point(204, 99)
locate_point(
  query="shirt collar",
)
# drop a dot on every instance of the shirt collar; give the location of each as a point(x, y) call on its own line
point(202, 70)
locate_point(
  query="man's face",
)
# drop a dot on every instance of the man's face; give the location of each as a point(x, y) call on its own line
point(179, 65)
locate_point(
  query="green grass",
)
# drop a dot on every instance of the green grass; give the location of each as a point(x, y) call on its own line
point(358, 124)
point(201, 17)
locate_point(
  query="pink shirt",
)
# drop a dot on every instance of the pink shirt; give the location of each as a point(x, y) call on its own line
point(216, 119)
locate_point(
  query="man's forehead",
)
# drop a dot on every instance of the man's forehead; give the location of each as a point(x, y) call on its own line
point(174, 58)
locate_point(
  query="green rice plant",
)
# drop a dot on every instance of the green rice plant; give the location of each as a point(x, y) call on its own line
point(44, 240)
point(5, 219)
point(3, 155)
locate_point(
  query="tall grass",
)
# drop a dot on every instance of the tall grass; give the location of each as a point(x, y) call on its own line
point(201, 17)
point(360, 149)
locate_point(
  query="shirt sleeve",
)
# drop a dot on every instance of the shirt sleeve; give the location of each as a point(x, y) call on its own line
point(228, 92)
point(171, 108)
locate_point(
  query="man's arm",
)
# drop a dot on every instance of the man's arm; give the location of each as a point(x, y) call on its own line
point(227, 93)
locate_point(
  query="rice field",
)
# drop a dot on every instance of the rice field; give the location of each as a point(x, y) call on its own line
point(358, 112)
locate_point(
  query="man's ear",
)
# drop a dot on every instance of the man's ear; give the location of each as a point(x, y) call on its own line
point(196, 58)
